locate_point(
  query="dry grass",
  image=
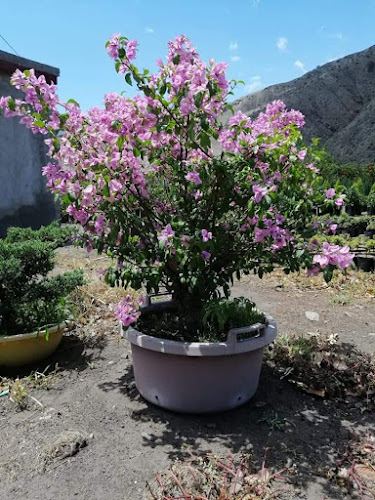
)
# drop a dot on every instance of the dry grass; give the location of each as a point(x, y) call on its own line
point(217, 478)
point(321, 366)
point(95, 301)
point(356, 284)
point(19, 388)
point(355, 471)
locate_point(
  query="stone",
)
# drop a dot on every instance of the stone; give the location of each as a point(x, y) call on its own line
point(312, 316)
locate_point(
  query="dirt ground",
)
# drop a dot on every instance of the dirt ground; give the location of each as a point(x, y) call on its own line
point(123, 440)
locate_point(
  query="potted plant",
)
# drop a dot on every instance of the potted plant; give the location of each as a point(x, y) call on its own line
point(185, 204)
point(32, 306)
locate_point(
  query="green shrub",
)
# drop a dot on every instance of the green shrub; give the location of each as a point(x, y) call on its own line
point(28, 299)
point(220, 315)
point(54, 233)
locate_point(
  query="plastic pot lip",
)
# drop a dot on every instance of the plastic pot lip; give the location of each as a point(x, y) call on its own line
point(267, 334)
point(56, 327)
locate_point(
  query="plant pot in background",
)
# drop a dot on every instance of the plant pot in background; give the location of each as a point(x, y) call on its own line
point(200, 377)
point(366, 264)
point(28, 348)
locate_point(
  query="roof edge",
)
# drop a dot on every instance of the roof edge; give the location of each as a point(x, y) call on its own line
point(10, 62)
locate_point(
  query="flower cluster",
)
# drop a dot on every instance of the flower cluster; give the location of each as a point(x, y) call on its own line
point(127, 310)
point(142, 178)
point(331, 255)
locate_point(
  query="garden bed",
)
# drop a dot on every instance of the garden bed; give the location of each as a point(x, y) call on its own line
point(117, 442)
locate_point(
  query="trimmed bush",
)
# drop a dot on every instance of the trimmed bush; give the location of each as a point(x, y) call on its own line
point(54, 233)
point(28, 299)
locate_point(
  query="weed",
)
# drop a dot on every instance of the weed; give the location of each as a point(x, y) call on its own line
point(356, 468)
point(322, 366)
point(340, 299)
point(216, 478)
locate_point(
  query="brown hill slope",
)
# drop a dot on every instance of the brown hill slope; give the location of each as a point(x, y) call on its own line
point(338, 100)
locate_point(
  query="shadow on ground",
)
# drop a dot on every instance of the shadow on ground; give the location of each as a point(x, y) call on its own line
point(290, 426)
point(74, 353)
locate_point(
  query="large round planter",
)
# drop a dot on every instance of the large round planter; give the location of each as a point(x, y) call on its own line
point(197, 377)
point(28, 348)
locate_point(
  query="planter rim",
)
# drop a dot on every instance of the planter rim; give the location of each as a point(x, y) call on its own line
point(266, 334)
point(39, 333)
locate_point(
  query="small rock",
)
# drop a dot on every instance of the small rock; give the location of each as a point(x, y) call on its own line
point(347, 313)
point(371, 334)
point(312, 316)
point(148, 437)
point(260, 404)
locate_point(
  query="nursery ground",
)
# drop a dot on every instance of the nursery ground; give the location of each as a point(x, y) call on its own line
point(90, 390)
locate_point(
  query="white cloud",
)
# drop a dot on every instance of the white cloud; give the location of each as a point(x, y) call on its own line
point(336, 36)
point(233, 46)
point(149, 30)
point(256, 3)
point(235, 58)
point(299, 64)
point(282, 43)
point(255, 84)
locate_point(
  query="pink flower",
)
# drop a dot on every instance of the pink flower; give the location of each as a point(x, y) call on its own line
point(115, 186)
point(322, 260)
point(206, 235)
point(166, 236)
point(313, 271)
point(113, 46)
point(206, 255)
point(193, 177)
point(259, 192)
point(339, 202)
point(127, 310)
point(87, 195)
point(330, 193)
point(333, 228)
point(302, 154)
point(131, 46)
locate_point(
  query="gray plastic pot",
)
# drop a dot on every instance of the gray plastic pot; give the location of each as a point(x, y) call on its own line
point(198, 377)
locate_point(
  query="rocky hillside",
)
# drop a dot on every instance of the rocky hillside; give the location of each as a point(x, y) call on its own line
point(338, 101)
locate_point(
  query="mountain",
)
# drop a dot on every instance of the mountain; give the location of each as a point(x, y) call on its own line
point(338, 101)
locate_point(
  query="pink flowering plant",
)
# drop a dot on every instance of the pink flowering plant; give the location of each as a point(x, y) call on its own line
point(181, 201)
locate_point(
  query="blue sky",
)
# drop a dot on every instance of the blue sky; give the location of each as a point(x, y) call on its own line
point(264, 41)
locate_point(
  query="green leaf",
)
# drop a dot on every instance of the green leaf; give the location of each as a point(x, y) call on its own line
point(120, 141)
point(147, 91)
point(176, 59)
point(121, 53)
point(204, 140)
point(128, 79)
point(39, 123)
point(198, 99)
point(72, 101)
point(163, 89)
point(11, 104)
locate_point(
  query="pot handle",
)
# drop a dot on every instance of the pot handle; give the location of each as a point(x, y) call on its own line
point(233, 332)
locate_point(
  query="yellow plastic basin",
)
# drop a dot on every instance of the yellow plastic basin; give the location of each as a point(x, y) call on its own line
point(27, 348)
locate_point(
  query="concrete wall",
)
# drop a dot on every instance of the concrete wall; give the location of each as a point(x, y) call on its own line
point(24, 200)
